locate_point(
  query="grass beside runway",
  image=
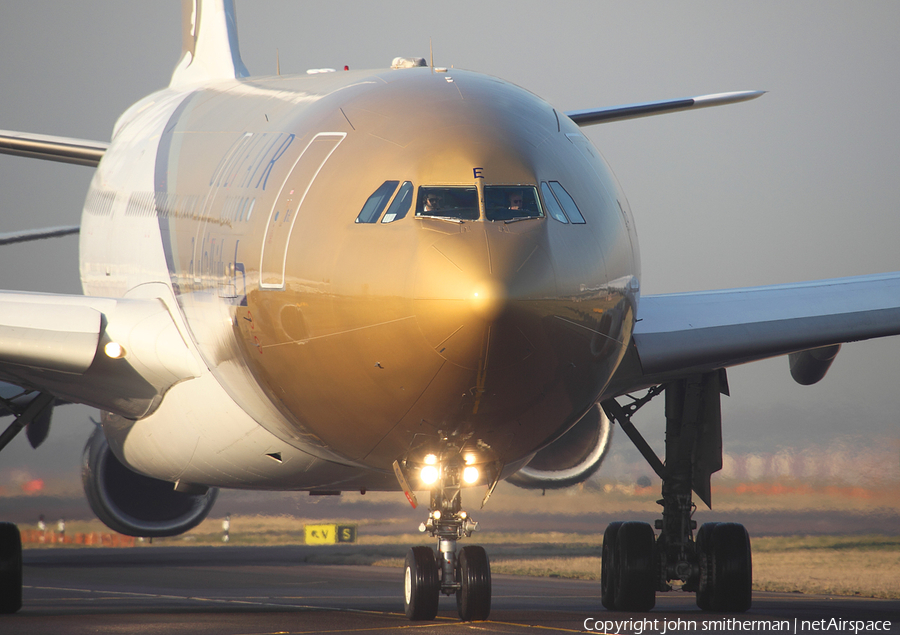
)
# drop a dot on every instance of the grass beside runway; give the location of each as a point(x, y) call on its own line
point(867, 566)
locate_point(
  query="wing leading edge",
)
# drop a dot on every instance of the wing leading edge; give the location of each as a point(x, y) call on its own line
point(685, 333)
point(49, 148)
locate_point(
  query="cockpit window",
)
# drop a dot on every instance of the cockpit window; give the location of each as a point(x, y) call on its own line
point(553, 207)
point(567, 202)
point(511, 202)
point(460, 203)
point(400, 205)
point(376, 203)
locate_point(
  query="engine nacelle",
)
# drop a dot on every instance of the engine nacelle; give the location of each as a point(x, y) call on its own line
point(134, 504)
point(572, 458)
point(810, 366)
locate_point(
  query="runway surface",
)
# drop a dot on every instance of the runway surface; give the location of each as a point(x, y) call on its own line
point(267, 590)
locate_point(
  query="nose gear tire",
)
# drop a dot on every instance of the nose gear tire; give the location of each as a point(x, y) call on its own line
point(421, 584)
point(473, 598)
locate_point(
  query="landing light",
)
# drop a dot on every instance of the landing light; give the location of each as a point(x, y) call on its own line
point(470, 474)
point(430, 459)
point(429, 474)
point(114, 350)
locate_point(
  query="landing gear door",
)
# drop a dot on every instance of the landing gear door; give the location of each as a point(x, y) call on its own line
point(288, 205)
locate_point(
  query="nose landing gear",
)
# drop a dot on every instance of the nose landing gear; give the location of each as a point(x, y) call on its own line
point(466, 574)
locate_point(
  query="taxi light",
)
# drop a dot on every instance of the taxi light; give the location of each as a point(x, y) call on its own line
point(429, 474)
point(470, 459)
point(470, 474)
point(430, 459)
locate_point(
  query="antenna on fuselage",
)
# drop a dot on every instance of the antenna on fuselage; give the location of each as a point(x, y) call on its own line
point(277, 63)
point(431, 54)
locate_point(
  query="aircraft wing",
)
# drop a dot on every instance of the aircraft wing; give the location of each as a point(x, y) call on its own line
point(116, 354)
point(685, 333)
point(49, 148)
point(27, 235)
point(593, 116)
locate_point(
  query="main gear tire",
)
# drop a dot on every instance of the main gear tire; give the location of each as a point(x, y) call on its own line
point(10, 568)
point(608, 575)
point(731, 568)
point(635, 566)
point(704, 585)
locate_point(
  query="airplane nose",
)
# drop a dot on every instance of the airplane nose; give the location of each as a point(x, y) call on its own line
point(488, 299)
point(474, 289)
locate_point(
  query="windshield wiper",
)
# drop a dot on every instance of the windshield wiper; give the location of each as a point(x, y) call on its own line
point(449, 219)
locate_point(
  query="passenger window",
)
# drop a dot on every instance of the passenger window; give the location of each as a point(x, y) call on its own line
point(553, 207)
point(567, 202)
point(458, 203)
point(400, 206)
point(376, 203)
point(511, 202)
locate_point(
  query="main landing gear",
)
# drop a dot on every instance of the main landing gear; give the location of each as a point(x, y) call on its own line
point(10, 568)
point(717, 564)
point(466, 573)
point(33, 414)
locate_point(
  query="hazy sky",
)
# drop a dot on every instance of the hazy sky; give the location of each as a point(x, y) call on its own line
point(803, 183)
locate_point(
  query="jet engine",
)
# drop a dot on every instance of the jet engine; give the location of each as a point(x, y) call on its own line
point(134, 504)
point(572, 458)
point(810, 366)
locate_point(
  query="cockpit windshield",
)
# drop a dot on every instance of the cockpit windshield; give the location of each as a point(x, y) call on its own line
point(511, 202)
point(455, 203)
point(459, 203)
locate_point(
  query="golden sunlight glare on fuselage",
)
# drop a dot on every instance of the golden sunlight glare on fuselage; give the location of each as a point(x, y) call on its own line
point(336, 309)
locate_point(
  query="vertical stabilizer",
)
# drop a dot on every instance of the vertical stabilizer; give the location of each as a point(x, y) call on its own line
point(209, 49)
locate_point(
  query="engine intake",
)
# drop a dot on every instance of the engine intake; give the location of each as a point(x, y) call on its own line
point(572, 458)
point(134, 504)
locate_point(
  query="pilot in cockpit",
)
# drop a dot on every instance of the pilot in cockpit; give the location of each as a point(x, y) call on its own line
point(432, 204)
point(515, 200)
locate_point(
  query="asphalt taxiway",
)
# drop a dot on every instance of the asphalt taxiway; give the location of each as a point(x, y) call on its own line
point(266, 590)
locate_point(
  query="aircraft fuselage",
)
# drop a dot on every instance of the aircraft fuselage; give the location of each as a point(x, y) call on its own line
point(286, 216)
